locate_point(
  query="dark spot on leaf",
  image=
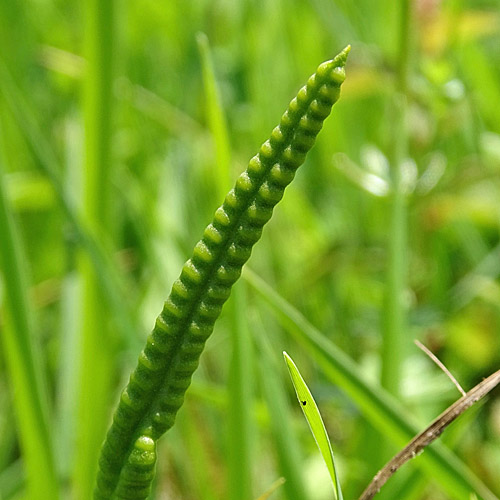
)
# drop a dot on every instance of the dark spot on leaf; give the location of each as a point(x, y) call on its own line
point(304, 402)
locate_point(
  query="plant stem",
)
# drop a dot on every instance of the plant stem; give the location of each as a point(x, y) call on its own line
point(240, 401)
point(96, 359)
point(430, 433)
point(149, 404)
point(393, 343)
point(23, 362)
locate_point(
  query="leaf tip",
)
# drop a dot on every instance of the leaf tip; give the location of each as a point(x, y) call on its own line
point(288, 359)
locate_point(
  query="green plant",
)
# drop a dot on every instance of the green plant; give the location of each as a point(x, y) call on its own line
point(156, 389)
point(315, 421)
point(411, 450)
point(379, 407)
point(96, 344)
point(23, 356)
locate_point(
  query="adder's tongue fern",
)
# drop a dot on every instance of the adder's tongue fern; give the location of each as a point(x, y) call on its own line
point(156, 389)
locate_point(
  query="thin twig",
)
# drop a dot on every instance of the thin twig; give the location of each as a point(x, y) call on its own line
point(427, 436)
point(272, 488)
point(441, 365)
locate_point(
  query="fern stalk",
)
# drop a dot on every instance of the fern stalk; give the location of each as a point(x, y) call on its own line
point(156, 389)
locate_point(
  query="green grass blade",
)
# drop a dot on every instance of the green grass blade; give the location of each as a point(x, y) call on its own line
point(106, 270)
point(383, 411)
point(289, 456)
point(394, 345)
point(97, 352)
point(316, 424)
point(155, 393)
point(23, 361)
point(197, 455)
point(66, 397)
point(12, 481)
point(394, 314)
point(215, 116)
point(240, 387)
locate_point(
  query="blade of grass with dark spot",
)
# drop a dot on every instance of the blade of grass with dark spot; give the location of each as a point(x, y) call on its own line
point(379, 407)
point(286, 444)
point(315, 422)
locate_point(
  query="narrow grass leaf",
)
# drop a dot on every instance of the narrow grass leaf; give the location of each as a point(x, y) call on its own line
point(68, 369)
point(12, 481)
point(240, 388)
point(97, 346)
point(110, 279)
point(215, 116)
point(383, 411)
point(316, 424)
point(199, 458)
point(286, 444)
point(23, 361)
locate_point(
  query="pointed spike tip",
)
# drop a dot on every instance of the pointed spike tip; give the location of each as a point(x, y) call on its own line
point(334, 68)
point(341, 58)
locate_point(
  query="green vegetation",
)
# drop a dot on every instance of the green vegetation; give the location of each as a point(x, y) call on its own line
point(315, 422)
point(122, 126)
point(150, 402)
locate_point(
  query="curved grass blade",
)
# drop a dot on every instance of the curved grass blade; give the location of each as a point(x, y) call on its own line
point(289, 456)
point(316, 424)
point(383, 411)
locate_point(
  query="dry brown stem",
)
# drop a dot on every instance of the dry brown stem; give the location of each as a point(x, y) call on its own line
point(428, 435)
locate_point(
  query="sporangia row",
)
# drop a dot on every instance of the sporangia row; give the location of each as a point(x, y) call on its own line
point(156, 389)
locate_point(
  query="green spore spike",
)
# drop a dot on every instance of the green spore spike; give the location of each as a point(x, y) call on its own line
point(156, 388)
point(315, 422)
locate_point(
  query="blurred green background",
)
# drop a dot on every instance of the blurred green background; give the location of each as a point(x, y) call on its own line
point(121, 127)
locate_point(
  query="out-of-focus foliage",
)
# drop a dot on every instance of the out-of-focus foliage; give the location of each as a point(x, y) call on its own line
point(325, 251)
